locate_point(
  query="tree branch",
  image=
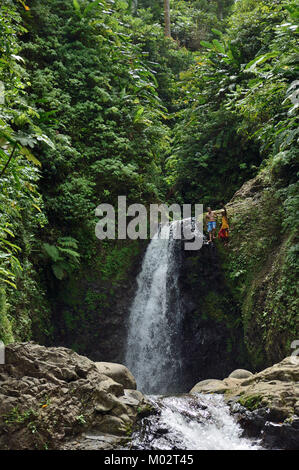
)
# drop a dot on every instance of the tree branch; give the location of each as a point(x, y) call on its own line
point(8, 161)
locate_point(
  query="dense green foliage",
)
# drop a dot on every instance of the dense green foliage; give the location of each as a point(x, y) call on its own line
point(20, 200)
point(97, 103)
point(21, 205)
point(238, 110)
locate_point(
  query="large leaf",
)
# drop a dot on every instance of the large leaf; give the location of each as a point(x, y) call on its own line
point(24, 151)
point(93, 5)
point(218, 46)
point(251, 66)
point(51, 251)
point(138, 114)
point(217, 32)
point(71, 253)
point(206, 44)
point(77, 7)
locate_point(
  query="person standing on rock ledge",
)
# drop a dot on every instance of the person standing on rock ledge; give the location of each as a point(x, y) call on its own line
point(224, 229)
point(211, 223)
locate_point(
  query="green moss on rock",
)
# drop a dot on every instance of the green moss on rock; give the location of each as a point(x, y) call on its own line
point(251, 402)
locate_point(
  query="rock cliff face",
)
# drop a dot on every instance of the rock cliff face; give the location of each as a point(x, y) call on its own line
point(53, 398)
point(261, 270)
point(266, 404)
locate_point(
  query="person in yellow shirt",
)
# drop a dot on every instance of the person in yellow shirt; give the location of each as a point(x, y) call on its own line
point(224, 229)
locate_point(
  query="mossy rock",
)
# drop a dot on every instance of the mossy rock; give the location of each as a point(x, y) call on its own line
point(251, 402)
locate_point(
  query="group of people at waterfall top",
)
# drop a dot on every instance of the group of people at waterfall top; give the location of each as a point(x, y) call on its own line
point(211, 220)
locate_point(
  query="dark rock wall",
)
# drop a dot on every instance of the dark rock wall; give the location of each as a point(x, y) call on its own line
point(212, 335)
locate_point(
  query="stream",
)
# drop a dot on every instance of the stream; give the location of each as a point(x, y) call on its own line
point(190, 422)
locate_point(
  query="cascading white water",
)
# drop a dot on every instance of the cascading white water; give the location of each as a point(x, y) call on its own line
point(193, 422)
point(153, 348)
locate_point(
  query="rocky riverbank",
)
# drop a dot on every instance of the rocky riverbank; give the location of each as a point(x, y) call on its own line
point(266, 404)
point(53, 398)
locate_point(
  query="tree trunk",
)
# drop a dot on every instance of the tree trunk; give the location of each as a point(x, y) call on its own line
point(167, 18)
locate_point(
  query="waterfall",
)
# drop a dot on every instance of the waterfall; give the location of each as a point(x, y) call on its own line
point(153, 347)
point(180, 421)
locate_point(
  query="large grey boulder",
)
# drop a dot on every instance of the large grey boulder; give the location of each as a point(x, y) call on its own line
point(209, 386)
point(240, 374)
point(51, 396)
point(117, 372)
